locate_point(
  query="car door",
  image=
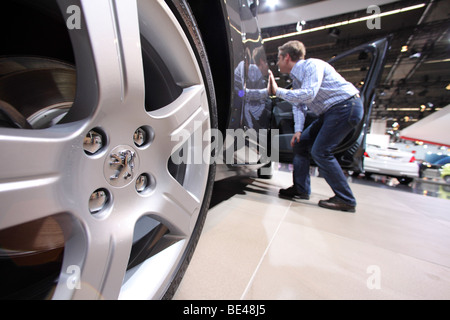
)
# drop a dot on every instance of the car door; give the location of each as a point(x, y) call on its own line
point(250, 110)
point(362, 66)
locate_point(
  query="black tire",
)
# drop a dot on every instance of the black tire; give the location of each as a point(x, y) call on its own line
point(186, 19)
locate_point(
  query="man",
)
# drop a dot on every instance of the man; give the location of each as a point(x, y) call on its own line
point(255, 114)
point(317, 87)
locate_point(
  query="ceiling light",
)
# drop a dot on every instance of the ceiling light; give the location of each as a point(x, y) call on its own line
point(300, 25)
point(343, 22)
point(272, 3)
point(447, 87)
point(402, 109)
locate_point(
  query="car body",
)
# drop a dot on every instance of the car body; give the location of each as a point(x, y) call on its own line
point(445, 172)
point(432, 164)
point(443, 160)
point(113, 120)
point(391, 162)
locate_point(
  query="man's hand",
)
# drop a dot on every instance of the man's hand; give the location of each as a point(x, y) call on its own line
point(272, 85)
point(295, 138)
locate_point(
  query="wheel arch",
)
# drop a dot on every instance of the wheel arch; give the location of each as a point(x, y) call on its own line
point(211, 21)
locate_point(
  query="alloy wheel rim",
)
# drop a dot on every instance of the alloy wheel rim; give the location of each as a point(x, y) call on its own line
point(63, 180)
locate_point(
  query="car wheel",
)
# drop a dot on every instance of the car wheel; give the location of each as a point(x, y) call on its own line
point(96, 203)
point(447, 179)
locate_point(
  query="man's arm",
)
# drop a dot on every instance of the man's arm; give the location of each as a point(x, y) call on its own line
point(310, 76)
point(299, 113)
point(256, 94)
point(298, 110)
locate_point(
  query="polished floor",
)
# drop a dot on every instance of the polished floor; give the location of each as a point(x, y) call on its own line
point(256, 245)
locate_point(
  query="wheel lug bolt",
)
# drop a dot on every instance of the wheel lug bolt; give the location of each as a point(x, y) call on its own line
point(142, 183)
point(139, 137)
point(92, 142)
point(98, 201)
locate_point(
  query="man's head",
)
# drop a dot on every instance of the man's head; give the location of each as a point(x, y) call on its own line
point(259, 56)
point(289, 54)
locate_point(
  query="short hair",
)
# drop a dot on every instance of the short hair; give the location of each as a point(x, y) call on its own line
point(294, 48)
point(259, 53)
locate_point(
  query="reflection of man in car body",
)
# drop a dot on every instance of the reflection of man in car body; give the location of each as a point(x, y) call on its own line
point(255, 104)
point(240, 76)
point(250, 76)
point(317, 87)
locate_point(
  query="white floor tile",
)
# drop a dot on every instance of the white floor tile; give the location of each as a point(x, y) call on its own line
point(257, 246)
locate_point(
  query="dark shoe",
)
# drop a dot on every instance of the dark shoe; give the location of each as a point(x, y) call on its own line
point(292, 192)
point(336, 203)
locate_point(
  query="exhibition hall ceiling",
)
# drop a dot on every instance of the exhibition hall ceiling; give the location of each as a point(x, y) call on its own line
point(416, 78)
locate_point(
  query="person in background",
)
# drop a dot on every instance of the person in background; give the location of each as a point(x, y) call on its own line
point(317, 87)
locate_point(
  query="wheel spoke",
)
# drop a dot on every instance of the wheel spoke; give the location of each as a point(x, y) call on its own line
point(109, 65)
point(33, 200)
point(178, 121)
point(31, 183)
point(175, 207)
point(107, 250)
point(30, 153)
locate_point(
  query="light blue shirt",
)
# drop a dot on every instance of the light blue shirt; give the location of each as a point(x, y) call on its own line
point(316, 86)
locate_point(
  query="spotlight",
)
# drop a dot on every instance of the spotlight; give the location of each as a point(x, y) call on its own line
point(395, 126)
point(300, 25)
point(272, 3)
point(415, 54)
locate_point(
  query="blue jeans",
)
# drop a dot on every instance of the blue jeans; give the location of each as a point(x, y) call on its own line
point(319, 140)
